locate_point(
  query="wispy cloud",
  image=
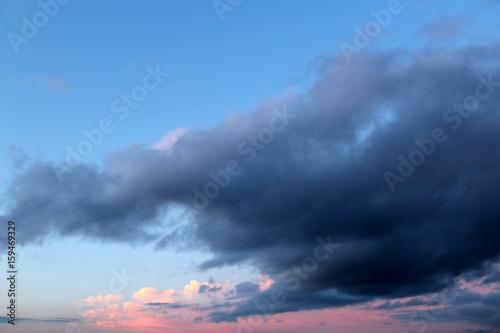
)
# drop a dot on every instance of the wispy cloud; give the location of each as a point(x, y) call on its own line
point(55, 85)
point(445, 28)
point(191, 309)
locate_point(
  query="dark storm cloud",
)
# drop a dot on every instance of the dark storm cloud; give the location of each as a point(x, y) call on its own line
point(322, 174)
point(468, 307)
point(171, 305)
point(280, 299)
point(77, 206)
point(246, 288)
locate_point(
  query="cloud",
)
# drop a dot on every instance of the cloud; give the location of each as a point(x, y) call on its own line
point(388, 305)
point(445, 27)
point(204, 288)
point(219, 313)
point(53, 84)
point(246, 288)
point(320, 173)
point(168, 141)
point(459, 303)
point(151, 295)
point(153, 310)
point(481, 330)
point(102, 299)
point(468, 308)
point(33, 320)
point(18, 157)
point(192, 288)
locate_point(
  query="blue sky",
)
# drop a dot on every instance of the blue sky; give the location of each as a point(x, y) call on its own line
point(99, 51)
point(65, 79)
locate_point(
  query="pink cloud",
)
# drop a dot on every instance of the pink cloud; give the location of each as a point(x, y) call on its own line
point(151, 295)
point(479, 286)
point(169, 140)
point(102, 299)
point(264, 282)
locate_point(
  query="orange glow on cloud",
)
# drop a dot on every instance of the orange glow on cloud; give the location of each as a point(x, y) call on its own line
point(151, 295)
point(191, 289)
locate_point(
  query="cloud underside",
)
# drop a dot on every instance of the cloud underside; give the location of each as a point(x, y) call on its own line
point(323, 174)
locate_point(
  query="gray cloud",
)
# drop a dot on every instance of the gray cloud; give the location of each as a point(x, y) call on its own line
point(205, 288)
point(445, 27)
point(388, 305)
point(481, 330)
point(246, 288)
point(33, 320)
point(470, 307)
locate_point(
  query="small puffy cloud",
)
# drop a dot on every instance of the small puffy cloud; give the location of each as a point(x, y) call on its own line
point(153, 310)
point(102, 299)
point(151, 295)
point(191, 289)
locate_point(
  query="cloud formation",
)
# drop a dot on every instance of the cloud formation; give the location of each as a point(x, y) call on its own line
point(193, 310)
point(445, 27)
point(322, 174)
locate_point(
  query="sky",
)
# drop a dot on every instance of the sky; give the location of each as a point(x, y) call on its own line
point(250, 166)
